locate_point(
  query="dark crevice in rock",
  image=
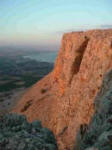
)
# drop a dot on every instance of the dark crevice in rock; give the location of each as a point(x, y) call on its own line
point(63, 130)
point(78, 59)
point(28, 104)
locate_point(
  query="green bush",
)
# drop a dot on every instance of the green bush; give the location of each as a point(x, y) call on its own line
point(17, 134)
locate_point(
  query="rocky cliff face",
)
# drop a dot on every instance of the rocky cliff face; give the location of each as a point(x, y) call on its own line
point(64, 100)
point(98, 136)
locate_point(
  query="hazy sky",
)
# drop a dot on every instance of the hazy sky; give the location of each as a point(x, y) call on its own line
point(42, 22)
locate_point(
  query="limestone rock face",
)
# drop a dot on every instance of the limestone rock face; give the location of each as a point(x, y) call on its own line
point(64, 99)
point(99, 133)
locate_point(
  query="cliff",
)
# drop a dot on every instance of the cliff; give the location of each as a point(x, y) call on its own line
point(99, 133)
point(64, 99)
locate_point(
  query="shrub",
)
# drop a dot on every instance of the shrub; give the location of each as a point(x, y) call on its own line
point(17, 134)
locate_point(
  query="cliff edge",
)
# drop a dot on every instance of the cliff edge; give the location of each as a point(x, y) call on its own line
point(64, 99)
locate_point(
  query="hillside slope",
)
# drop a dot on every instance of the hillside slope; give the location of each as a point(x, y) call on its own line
point(64, 99)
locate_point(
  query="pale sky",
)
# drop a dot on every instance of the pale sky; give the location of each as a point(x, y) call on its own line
point(41, 23)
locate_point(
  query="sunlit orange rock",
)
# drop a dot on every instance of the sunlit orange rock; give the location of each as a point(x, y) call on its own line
point(69, 91)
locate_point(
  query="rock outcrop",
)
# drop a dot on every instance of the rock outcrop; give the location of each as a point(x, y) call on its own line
point(64, 99)
point(99, 133)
